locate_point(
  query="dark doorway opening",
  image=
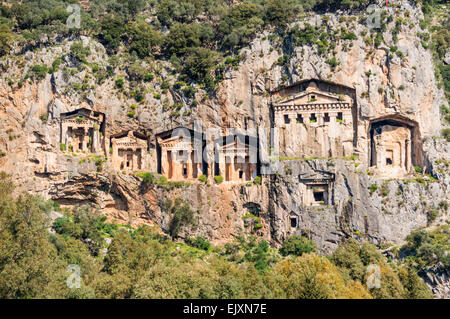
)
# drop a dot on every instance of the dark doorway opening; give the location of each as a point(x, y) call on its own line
point(293, 222)
point(319, 196)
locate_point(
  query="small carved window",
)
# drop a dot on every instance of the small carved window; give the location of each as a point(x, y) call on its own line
point(241, 174)
point(389, 157)
point(339, 116)
point(293, 221)
point(299, 118)
point(326, 118)
point(286, 119)
point(313, 118)
point(319, 196)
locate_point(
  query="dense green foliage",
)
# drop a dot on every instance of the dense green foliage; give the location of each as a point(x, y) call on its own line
point(143, 263)
point(427, 249)
point(352, 260)
point(200, 31)
point(297, 245)
point(182, 215)
point(200, 38)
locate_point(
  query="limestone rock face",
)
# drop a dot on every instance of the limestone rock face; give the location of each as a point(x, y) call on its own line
point(360, 207)
point(385, 86)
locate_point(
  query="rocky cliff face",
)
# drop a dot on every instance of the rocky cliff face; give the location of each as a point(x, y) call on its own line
point(385, 83)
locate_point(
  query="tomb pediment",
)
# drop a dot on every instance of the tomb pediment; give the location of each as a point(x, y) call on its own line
point(176, 143)
point(316, 177)
point(129, 140)
point(82, 115)
point(235, 146)
point(310, 97)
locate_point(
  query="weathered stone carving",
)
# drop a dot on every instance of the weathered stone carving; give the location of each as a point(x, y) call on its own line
point(316, 118)
point(317, 188)
point(130, 152)
point(237, 159)
point(395, 146)
point(83, 130)
point(180, 154)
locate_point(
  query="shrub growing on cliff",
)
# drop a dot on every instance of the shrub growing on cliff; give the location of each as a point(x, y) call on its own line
point(40, 71)
point(143, 38)
point(6, 38)
point(418, 169)
point(199, 64)
point(202, 178)
point(297, 245)
point(372, 188)
point(112, 31)
point(432, 215)
point(446, 134)
point(218, 179)
point(119, 82)
point(80, 52)
point(43, 117)
point(182, 215)
point(147, 177)
point(333, 62)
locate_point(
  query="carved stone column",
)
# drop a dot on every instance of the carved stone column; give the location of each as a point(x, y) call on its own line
point(319, 117)
point(408, 155)
point(135, 160)
point(164, 162)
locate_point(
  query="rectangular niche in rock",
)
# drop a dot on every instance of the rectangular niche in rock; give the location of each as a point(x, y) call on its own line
point(317, 188)
point(317, 194)
point(293, 220)
point(395, 146)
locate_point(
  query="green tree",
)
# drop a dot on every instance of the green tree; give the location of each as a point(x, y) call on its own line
point(112, 31)
point(200, 63)
point(182, 215)
point(143, 38)
point(6, 38)
point(80, 52)
point(29, 267)
point(297, 245)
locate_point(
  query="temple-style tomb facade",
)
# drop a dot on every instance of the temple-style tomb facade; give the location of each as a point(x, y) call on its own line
point(83, 130)
point(312, 119)
point(395, 146)
point(236, 158)
point(315, 118)
point(179, 154)
point(130, 151)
